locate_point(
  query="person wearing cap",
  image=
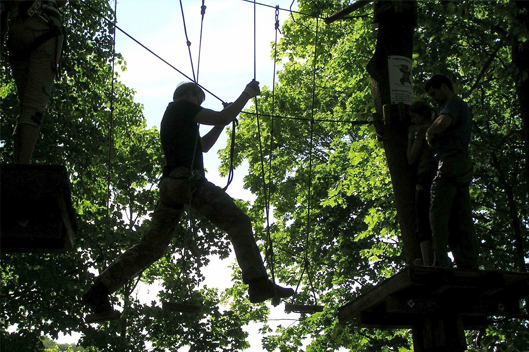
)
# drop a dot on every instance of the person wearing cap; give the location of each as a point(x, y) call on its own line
point(184, 183)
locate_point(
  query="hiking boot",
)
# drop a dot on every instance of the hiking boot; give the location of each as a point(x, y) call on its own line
point(96, 298)
point(262, 289)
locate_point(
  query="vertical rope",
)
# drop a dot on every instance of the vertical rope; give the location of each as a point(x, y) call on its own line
point(111, 122)
point(254, 40)
point(271, 146)
point(311, 145)
point(309, 198)
point(187, 41)
point(270, 252)
point(202, 12)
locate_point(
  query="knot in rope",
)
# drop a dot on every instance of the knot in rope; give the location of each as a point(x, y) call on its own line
point(277, 19)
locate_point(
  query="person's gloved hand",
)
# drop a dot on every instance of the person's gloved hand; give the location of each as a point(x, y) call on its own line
point(252, 89)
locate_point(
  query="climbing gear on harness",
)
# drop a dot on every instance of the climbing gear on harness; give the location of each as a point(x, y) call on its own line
point(47, 11)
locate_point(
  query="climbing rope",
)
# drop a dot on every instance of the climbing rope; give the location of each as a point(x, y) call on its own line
point(269, 258)
point(111, 118)
point(311, 144)
point(202, 13)
point(187, 41)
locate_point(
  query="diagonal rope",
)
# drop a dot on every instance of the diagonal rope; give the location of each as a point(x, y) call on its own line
point(84, 2)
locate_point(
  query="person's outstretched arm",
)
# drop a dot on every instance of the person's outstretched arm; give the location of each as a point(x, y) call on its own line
point(230, 112)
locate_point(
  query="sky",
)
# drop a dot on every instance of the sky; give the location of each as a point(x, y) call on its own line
point(235, 49)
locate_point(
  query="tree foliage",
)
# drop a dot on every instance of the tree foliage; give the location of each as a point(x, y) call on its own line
point(328, 184)
point(318, 167)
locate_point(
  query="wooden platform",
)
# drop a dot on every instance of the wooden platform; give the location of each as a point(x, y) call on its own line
point(36, 209)
point(405, 299)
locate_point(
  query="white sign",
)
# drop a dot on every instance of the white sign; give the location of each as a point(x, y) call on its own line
point(400, 81)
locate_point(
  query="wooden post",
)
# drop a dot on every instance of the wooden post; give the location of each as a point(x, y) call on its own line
point(434, 333)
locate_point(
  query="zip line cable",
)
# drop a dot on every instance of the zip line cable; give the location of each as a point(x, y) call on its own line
point(187, 41)
point(281, 9)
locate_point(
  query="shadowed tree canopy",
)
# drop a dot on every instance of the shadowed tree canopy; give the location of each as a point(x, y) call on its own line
point(336, 238)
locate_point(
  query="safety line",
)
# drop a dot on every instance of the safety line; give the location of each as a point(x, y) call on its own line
point(269, 257)
point(187, 41)
point(254, 40)
point(267, 190)
point(311, 143)
point(149, 50)
point(202, 12)
point(352, 122)
point(111, 122)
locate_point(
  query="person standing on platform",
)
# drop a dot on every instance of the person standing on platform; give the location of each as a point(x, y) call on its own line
point(34, 38)
point(450, 210)
point(421, 157)
point(184, 182)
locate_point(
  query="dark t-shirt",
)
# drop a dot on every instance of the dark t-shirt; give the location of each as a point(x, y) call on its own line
point(180, 137)
point(426, 160)
point(455, 139)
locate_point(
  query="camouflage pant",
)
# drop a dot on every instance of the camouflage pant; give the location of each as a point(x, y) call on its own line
point(209, 200)
point(34, 70)
point(451, 214)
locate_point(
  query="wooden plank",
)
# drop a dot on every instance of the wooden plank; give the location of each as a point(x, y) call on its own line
point(420, 291)
point(376, 295)
point(464, 306)
point(407, 321)
point(36, 210)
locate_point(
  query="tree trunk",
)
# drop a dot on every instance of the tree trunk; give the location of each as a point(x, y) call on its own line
point(395, 40)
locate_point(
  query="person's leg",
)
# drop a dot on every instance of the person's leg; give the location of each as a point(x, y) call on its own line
point(25, 140)
point(220, 209)
point(422, 207)
point(442, 195)
point(151, 248)
point(34, 74)
point(464, 243)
